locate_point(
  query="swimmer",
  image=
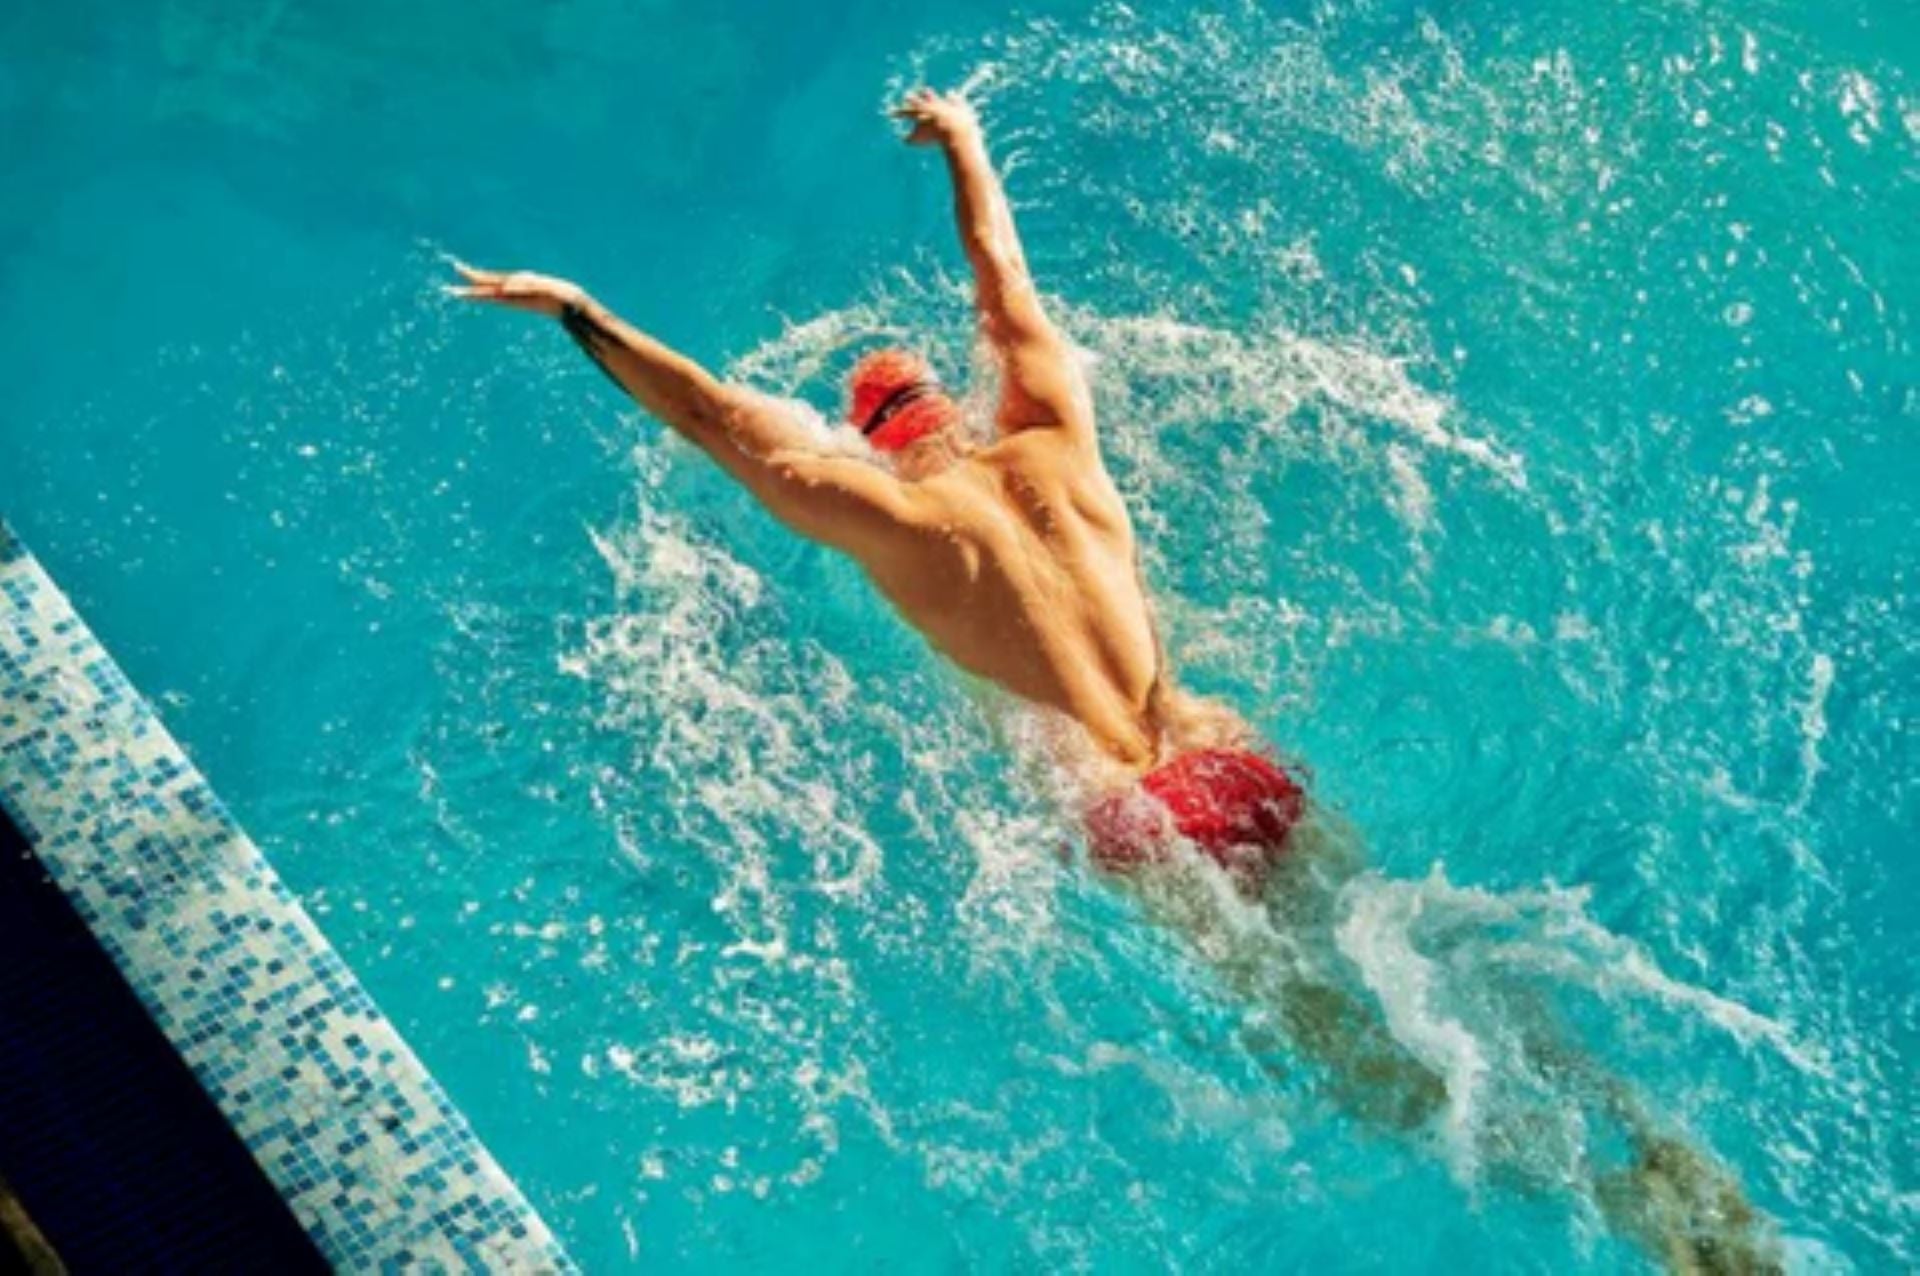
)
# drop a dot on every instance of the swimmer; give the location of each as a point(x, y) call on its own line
point(1016, 559)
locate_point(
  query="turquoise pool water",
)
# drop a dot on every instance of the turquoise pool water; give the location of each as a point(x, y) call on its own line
point(1518, 404)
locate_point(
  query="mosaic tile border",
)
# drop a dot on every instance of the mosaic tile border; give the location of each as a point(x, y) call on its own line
point(365, 1147)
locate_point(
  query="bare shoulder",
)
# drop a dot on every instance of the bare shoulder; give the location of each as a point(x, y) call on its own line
point(1054, 480)
point(1052, 456)
point(1044, 390)
point(955, 498)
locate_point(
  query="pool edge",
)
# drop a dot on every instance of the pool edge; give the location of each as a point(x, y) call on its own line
point(363, 1145)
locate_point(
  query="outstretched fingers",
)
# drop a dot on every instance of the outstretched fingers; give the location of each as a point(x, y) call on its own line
point(481, 285)
point(521, 289)
point(916, 100)
point(473, 274)
point(936, 117)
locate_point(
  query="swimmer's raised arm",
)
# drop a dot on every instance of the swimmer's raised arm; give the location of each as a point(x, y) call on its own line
point(1043, 386)
point(842, 502)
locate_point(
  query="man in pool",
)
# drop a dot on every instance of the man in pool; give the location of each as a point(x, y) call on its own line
point(1016, 559)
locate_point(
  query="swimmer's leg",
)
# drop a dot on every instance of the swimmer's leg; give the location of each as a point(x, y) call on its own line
point(1271, 954)
point(1687, 1211)
point(1673, 1199)
point(1370, 1074)
point(1303, 1013)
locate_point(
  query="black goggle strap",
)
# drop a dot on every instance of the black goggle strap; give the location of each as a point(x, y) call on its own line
point(897, 402)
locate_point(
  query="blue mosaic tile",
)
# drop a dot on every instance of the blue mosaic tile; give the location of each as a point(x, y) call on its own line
point(377, 1164)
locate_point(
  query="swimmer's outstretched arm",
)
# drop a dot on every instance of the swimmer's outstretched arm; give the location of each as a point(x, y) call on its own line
point(837, 500)
point(1043, 382)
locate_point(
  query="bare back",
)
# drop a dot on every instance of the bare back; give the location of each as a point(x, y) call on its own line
point(1021, 568)
point(1016, 560)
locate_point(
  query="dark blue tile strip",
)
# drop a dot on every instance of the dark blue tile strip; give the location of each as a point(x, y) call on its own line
point(119, 1157)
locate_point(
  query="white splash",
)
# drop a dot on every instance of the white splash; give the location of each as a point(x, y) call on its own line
point(1440, 958)
point(1813, 725)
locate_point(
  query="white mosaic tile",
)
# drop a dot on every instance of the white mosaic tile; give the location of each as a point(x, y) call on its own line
point(374, 1160)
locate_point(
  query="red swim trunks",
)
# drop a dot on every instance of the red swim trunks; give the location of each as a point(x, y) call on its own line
point(1233, 804)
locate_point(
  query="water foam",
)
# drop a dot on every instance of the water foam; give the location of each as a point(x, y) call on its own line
point(1452, 968)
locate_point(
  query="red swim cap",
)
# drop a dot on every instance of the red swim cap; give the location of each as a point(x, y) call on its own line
point(895, 400)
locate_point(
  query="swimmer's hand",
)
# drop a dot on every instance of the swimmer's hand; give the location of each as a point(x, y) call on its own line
point(939, 119)
point(520, 289)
